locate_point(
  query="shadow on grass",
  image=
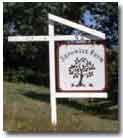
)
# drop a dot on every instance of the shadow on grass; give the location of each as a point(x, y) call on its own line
point(96, 109)
point(36, 96)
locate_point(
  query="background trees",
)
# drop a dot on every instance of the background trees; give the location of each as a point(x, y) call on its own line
point(28, 62)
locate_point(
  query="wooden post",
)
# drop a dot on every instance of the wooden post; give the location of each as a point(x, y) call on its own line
point(52, 74)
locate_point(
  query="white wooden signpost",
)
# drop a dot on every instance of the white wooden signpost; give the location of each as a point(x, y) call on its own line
point(88, 58)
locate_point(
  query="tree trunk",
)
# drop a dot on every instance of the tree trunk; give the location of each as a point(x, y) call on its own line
point(80, 80)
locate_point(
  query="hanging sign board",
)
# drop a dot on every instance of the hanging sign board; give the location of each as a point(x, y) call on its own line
point(80, 67)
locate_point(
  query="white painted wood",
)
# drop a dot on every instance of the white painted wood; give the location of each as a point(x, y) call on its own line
point(44, 38)
point(80, 27)
point(81, 95)
point(52, 75)
point(27, 38)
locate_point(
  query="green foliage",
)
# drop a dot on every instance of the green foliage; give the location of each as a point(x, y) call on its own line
point(27, 75)
point(106, 16)
point(112, 74)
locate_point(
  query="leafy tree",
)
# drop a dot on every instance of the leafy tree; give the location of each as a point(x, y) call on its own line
point(82, 67)
point(105, 15)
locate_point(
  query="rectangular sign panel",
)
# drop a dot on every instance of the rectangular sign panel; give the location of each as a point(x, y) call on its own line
point(80, 67)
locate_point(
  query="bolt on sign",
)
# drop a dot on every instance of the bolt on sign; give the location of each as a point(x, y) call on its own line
point(80, 67)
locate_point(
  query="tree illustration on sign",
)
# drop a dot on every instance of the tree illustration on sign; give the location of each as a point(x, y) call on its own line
point(81, 67)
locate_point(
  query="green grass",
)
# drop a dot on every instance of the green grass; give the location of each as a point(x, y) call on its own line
point(27, 109)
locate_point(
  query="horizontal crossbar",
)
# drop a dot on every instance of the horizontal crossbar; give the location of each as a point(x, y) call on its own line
point(81, 95)
point(44, 38)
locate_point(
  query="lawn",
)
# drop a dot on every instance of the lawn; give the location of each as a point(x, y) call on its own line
point(27, 109)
